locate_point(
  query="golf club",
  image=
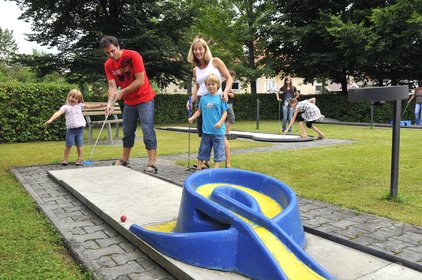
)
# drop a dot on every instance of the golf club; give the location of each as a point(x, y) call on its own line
point(89, 162)
point(404, 111)
point(279, 117)
point(189, 114)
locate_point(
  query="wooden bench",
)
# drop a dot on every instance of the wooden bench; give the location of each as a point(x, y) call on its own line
point(114, 118)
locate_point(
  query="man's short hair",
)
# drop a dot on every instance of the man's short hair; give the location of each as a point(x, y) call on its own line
point(107, 41)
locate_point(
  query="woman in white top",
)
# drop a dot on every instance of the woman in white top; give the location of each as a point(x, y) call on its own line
point(204, 64)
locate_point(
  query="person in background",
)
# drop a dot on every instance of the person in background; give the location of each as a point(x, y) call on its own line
point(310, 114)
point(286, 93)
point(417, 95)
point(230, 113)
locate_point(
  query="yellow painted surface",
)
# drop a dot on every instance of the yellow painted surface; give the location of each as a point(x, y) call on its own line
point(163, 227)
point(269, 207)
point(290, 264)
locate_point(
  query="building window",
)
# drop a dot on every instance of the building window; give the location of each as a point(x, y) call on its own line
point(318, 87)
point(270, 86)
point(236, 86)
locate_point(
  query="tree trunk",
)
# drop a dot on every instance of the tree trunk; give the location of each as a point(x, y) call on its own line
point(250, 45)
point(344, 83)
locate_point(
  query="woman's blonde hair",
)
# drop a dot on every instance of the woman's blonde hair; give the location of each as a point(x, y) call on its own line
point(213, 78)
point(191, 57)
point(76, 93)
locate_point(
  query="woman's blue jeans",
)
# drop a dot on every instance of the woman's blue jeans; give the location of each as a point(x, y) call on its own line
point(287, 116)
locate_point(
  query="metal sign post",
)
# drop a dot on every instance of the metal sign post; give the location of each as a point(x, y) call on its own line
point(257, 113)
point(377, 94)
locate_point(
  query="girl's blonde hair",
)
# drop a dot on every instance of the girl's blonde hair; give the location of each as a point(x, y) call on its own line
point(76, 93)
point(191, 57)
point(213, 78)
point(293, 101)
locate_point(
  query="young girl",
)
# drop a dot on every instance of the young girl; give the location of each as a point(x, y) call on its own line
point(214, 112)
point(285, 94)
point(75, 123)
point(310, 114)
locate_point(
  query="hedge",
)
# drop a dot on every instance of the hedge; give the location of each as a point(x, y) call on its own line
point(26, 107)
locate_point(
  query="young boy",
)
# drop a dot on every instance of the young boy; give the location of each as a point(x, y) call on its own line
point(310, 114)
point(214, 112)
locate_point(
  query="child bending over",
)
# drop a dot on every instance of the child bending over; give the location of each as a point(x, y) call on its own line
point(214, 112)
point(75, 123)
point(310, 114)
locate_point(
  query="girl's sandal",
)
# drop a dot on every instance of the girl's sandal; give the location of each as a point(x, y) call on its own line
point(79, 162)
point(151, 169)
point(65, 162)
point(121, 162)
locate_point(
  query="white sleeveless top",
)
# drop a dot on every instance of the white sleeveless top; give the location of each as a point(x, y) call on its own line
point(201, 74)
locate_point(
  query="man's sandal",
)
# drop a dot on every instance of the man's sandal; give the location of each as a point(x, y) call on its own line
point(79, 162)
point(65, 162)
point(205, 165)
point(121, 162)
point(151, 169)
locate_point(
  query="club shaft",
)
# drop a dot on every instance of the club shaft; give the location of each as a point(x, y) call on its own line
point(98, 137)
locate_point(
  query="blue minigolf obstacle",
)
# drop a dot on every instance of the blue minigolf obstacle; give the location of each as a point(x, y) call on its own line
point(225, 223)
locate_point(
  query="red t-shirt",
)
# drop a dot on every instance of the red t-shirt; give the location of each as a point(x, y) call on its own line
point(123, 70)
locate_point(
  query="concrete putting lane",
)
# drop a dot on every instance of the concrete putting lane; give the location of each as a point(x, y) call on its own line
point(113, 191)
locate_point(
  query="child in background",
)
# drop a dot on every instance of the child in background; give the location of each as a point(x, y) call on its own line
point(214, 113)
point(75, 123)
point(310, 114)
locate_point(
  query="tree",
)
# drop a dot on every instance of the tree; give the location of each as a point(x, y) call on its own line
point(154, 28)
point(232, 26)
point(8, 45)
point(297, 42)
point(366, 39)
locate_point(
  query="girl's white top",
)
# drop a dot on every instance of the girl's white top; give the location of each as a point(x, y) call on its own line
point(310, 111)
point(73, 114)
point(201, 74)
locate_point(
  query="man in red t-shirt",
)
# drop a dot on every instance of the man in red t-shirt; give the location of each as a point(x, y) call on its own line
point(125, 69)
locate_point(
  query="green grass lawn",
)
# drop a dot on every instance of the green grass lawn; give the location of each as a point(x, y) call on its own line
point(355, 176)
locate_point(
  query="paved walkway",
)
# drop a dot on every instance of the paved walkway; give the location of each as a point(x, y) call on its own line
point(101, 250)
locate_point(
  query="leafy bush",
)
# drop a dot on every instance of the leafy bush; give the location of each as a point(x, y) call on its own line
point(27, 106)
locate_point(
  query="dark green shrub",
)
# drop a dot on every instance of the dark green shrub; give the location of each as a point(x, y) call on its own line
point(26, 107)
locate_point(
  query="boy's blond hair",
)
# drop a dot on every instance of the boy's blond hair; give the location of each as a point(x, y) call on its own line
point(191, 57)
point(77, 93)
point(213, 78)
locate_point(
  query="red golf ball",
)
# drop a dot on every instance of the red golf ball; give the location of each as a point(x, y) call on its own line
point(123, 218)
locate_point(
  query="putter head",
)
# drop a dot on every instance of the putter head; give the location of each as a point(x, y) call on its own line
point(87, 162)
